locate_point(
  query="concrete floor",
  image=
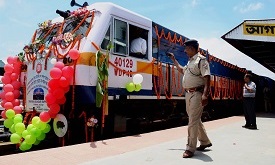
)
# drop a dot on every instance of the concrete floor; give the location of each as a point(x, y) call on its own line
point(232, 144)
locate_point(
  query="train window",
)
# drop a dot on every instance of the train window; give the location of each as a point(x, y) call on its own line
point(139, 41)
point(106, 39)
point(120, 37)
point(74, 23)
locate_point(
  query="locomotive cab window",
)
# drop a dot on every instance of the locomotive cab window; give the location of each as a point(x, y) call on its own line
point(138, 42)
point(106, 39)
point(120, 37)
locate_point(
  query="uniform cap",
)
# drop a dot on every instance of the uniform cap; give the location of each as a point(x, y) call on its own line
point(191, 43)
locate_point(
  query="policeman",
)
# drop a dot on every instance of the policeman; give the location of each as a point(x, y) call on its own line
point(196, 82)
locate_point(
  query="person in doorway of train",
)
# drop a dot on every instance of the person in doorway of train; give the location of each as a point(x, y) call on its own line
point(196, 82)
point(249, 92)
point(138, 45)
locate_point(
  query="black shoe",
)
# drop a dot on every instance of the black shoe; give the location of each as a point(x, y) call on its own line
point(202, 147)
point(252, 127)
point(245, 126)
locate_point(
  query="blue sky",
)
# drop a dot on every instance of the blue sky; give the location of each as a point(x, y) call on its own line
point(204, 20)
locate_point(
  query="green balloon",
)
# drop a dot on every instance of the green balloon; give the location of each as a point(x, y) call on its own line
point(47, 129)
point(36, 142)
point(8, 123)
point(40, 125)
point(138, 87)
point(30, 127)
point(19, 128)
point(30, 139)
point(25, 133)
point(15, 138)
point(35, 119)
point(41, 137)
point(19, 115)
point(12, 128)
point(17, 119)
point(130, 87)
point(35, 132)
point(25, 146)
point(10, 113)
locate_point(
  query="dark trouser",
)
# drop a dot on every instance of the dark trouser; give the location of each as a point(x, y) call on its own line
point(249, 111)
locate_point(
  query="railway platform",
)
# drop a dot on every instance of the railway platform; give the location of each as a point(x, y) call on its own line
point(232, 144)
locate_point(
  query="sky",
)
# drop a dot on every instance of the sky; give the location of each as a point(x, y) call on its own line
point(204, 20)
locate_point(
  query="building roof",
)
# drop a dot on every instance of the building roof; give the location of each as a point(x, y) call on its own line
point(256, 39)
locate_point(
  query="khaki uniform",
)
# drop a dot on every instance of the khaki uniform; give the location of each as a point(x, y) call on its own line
point(193, 77)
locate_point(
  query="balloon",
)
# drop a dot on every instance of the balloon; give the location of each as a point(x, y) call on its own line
point(3, 114)
point(19, 115)
point(74, 54)
point(2, 95)
point(12, 129)
point(30, 139)
point(55, 73)
point(6, 80)
point(53, 61)
point(35, 119)
point(47, 129)
point(17, 109)
point(63, 82)
point(66, 89)
point(138, 87)
point(16, 93)
point(58, 93)
point(137, 79)
point(3, 102)
point(15, 138)
point(130, 87)
point(36, 142)
point(53, 84)
point(8, 68)
point(61, 101)
point(54, 108)
point(16, 84)
point(8, 88)
point(50, 99)
point(35, 132)
point(42, 136)
point(15, 102)
point(17, 120)
point(10, 113)
point(19, 128)
point(52, 114)
point(44, 116)
point(8, 105)
point(25, 146)
point(40, 125)
point(25, 133)
point(14, 76)
point(9, 96)
point(30, 127)
point(68, 72)
point(10, 60)
point(8, 123)
point(59, 65)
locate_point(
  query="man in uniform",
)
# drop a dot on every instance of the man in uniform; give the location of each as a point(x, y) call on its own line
point(196, 82)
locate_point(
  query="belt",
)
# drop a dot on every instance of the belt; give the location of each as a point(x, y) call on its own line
point(191, 90)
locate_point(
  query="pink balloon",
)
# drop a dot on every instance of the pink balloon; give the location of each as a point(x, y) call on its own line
point(3, 102)
point(14, 76)
point(59, 65)
point(8, 68)
point(6, 79)
point(16, 84)
point(54, 108)
point(61, 101)
point(3, 114)
point(10, 60)
point(68, 72)
point(9, 96)
point(16, 102)
point(50, 99)
point(8, 88)
point(7, 74)
point(58, 93)
point(44, 116)
point(74, 54)
point(17, 109)
point(8, 105)
point(2, 95)
point(63, 82)
point(55, 73)
point(53, 84)
point(16, 93)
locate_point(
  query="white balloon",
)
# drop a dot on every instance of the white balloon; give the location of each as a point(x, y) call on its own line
point(137, 79)
point(53, 61)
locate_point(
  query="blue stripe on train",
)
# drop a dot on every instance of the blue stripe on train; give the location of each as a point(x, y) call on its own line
point(87, 94)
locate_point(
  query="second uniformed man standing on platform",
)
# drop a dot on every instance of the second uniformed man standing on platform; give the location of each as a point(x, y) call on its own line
point(196, 82)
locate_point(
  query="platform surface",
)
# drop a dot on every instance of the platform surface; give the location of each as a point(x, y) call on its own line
point(232, 144)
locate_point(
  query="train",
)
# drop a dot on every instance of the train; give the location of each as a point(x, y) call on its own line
point(107, 29)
